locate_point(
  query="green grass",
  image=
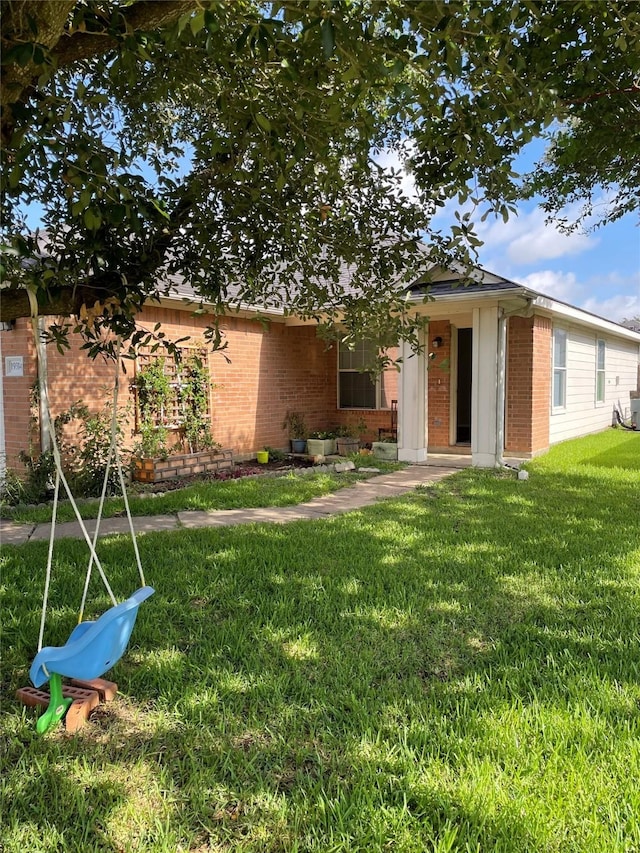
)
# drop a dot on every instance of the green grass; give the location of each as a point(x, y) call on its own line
point(263, 491)
point(455, 670)
point(612, 451)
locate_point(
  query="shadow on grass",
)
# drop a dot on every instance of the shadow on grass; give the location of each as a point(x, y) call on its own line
point(413, 676)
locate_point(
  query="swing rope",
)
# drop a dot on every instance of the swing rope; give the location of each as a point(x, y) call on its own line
point(112, 454)
point(60, 476)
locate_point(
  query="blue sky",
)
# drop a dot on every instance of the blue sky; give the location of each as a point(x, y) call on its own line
point(598, 271)
point(595, 270)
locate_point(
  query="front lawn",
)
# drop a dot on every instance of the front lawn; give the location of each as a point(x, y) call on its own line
point(454, 670)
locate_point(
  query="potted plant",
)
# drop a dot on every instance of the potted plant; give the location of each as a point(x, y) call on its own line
point(297, 430)
point(348, 437)
point(321, 443)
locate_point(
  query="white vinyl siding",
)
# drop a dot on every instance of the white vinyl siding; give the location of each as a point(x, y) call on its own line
point(582, 415)
point(600, 370)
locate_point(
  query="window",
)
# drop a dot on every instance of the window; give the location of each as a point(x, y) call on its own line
point(600, 375)
point(358, 389)
point(559, 369)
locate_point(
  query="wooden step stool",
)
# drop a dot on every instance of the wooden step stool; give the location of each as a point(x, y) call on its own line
point(86, 696)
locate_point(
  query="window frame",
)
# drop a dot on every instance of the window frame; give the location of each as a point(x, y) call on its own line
point(601, 372)
point(559, 371)
point(377, 382)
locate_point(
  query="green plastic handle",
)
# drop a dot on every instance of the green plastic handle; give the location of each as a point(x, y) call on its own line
point(57, 706)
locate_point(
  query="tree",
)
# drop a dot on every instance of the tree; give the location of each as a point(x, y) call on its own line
point(593, 158)
point(234, 144)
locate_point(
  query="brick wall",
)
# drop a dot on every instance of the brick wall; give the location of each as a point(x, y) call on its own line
point(439, 385)
point(528, 384)
point(17, 390)
point(266, 370)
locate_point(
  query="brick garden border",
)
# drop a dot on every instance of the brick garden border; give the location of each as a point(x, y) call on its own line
point(156, 470)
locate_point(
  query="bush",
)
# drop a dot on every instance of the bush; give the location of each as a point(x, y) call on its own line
point(83, 464)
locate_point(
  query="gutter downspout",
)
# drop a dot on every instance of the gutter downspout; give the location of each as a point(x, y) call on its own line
point(503, 316)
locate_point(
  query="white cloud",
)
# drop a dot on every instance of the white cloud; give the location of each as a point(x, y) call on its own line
point(566, 287)
point(529, 238)
point(617, 308)
point(558, 285)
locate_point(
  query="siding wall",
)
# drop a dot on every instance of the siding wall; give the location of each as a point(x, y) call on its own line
point(582, 414)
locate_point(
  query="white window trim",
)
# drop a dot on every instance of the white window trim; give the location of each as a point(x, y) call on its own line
point(378, 384)
point(563, 407)
point(601, 370)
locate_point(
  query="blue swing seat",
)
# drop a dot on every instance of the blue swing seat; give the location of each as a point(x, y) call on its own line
point(92, 647)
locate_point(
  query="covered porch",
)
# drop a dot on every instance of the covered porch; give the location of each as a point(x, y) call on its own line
point(479, 387)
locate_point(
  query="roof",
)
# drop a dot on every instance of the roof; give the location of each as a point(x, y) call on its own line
point(488, 284)
point(446, 285)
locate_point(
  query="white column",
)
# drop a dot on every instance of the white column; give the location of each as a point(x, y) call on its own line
point(412, 405)
point(484, 386)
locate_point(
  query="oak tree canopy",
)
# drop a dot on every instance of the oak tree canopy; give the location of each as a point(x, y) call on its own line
point(239, 146)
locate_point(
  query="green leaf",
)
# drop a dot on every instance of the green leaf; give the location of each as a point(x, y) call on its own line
point(20, 54)
point(197, 22)
point(92, 219)
point(264, 122)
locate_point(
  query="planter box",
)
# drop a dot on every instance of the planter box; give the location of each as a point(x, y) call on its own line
point(321, 446)
point(385, 450)
point(147, 470)
point(346, 446)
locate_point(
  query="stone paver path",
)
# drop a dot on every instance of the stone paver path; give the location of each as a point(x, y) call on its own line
point(351, 498)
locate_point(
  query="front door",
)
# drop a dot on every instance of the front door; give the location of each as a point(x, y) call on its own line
point(463, 383)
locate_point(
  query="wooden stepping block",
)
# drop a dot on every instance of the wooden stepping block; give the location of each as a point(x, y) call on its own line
point(84, 701)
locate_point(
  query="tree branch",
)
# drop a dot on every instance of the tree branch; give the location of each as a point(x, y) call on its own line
point(63, 301)
point(145, 15)
point(631, 90)
point(50, 20)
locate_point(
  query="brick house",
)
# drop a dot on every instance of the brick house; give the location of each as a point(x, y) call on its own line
point(505, 372)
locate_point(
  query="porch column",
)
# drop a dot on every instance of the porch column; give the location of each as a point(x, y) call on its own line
point(412, 405)
point(484, 386)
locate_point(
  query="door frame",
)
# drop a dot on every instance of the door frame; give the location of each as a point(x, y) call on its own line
point(453, 387)
point(453, 390)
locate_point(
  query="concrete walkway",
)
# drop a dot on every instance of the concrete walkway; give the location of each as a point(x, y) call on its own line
point(350, 498)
